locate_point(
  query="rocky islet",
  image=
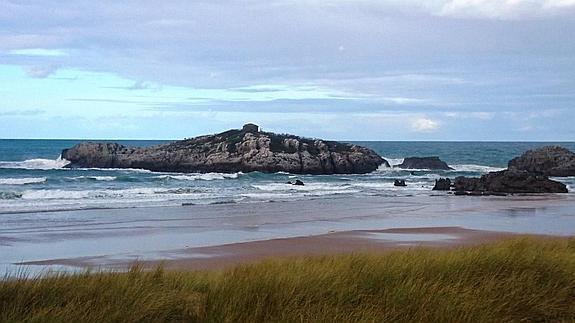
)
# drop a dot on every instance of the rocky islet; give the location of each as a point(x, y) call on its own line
point(238, 150)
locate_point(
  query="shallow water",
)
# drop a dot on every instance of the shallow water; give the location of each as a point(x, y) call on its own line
point(125, 235)
point(32, 178)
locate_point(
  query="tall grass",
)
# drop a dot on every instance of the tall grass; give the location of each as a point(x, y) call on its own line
point(518, 280)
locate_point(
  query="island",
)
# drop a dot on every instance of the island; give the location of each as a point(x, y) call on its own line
point(237, 150)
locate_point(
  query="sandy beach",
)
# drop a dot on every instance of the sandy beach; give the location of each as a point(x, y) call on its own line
point(215, 236)
point(360, 241)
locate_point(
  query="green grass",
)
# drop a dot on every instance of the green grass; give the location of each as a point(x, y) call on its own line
point(516, 280)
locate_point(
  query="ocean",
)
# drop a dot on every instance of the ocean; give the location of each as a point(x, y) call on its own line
point(33, 177)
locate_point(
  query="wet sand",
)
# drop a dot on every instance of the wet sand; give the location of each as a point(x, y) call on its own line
point(360, 241)
point(215, 236)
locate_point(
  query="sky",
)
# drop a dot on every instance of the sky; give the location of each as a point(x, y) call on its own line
point(500, 70)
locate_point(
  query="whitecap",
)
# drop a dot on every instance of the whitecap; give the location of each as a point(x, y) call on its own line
point(58, 194)
point(37, 163)
point(132, 170)
point(55, 194)
point(383, 169)
point(268, 196)
point(476, 168)
point(275, 187)
point(10, 195)
point(393, 161)
point(374, 185)
point(22, 181)
point(200, 176)
point(96, 178)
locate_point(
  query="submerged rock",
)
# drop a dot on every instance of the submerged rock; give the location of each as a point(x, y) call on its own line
point(507, 181)
point(424, 163)
point(442, 184)
point(232, 151)
point(399, 182)
point(549, 161)
point(297, 183)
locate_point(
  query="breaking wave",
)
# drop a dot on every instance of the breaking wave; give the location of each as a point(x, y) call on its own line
point(468, 168)
point(37, 163)
point(105, 194)
point(393, 161)
point(204, 177)
point(22, 181)
point(475, 168)
point(96, 178)
point(10, 195)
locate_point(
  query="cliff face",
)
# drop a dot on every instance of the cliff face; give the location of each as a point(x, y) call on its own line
point(232, 151)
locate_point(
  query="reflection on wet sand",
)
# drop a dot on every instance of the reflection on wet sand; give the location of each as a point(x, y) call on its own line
point(109, 238)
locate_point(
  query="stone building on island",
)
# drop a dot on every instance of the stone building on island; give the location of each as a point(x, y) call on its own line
point(250, 127)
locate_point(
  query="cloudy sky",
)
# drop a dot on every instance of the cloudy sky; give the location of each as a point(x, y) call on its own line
point(338, 69)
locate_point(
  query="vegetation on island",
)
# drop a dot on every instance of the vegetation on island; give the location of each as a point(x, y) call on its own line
point(525, 279)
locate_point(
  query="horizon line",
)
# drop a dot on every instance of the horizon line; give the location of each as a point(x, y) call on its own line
point(341, 140)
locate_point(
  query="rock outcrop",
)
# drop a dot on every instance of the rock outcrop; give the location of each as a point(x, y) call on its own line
point(399, 182)
point(296, 183)
point(424, 163)
point(507, 181)
point(243, 150)
point(442, 184)
point(549, 161)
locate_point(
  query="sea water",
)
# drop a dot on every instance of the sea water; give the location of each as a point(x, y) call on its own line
point(33, 177)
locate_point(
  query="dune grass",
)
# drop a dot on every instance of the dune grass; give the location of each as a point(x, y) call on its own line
point(516, 280)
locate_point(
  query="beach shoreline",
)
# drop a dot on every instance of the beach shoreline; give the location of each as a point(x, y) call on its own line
point(329, 244)
point(215, 236)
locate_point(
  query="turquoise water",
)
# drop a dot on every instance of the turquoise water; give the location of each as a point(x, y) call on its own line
point(32, 177)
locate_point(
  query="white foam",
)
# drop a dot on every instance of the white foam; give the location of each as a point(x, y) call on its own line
point(201, 176)
point(278, 187)
point(292, 195)
point(132, 170)
point(54, 194)
point(97, 178)
point(331, 192)
point(268, 196)
point(36, 164)
point(137, 193)
point(393, 161)
point(374, 185)
point(476, 168)
point(569, 182)
point(22, 181)
point(382, 169)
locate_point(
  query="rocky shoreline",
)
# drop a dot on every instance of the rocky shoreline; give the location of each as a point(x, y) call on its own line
point(527, 173)
point(249, 149)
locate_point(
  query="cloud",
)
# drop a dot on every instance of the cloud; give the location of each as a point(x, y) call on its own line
point(559, 4)
point(138, 85)
point(38, 52)
point(480, 115)
point(476, 9)
point(505, 9)
point(424, 125)
point(19, 113)
point(472, 58)
point(121, 101)
point(259, 89)
point(402, 100)
point(40, 72)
